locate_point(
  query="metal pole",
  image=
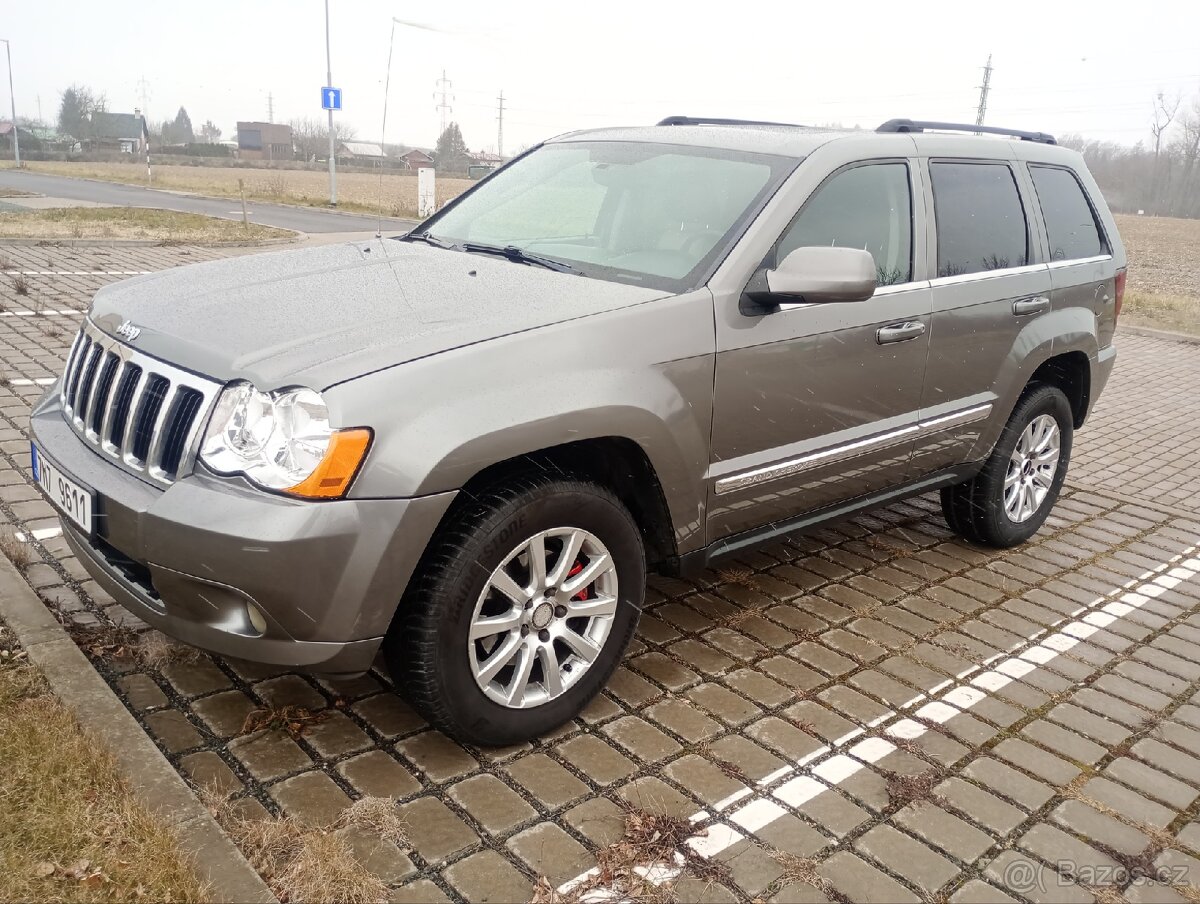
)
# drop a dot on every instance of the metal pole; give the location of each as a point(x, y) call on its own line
point(13, 98)
point(329, 81)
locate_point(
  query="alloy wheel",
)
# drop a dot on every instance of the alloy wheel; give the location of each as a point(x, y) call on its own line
point(543, 617)
point(1031, 469)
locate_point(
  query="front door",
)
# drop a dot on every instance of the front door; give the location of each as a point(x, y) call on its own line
point(818, 403)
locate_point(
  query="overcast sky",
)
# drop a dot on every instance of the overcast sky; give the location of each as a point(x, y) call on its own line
point(1059, 67)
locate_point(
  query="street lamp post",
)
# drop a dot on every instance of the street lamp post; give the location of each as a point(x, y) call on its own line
point(13, 98)
point(329, 81)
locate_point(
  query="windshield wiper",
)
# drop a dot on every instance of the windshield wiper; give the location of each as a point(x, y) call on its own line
point(426, 238)
point(519, 256)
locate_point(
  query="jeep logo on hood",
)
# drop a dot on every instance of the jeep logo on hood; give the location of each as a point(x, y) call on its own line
point(128, 331)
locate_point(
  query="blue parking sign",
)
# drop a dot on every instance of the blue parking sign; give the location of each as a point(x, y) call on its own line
point(331, 98)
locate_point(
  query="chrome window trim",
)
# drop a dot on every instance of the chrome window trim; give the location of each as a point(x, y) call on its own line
point(1094, 259)
point(791, 466)
point(102, 344)
point(896, 289)
point(986, 274)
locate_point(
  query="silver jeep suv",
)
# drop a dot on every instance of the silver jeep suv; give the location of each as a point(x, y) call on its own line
point(628, 349)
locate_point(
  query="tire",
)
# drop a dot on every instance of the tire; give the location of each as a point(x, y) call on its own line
point(984, 509)
point(428, 648)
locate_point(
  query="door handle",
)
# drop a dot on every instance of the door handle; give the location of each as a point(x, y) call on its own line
point(900, 332)
point(1031, 305)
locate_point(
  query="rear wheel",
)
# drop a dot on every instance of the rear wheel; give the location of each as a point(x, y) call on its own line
point(525, 605)
point(1010, 498)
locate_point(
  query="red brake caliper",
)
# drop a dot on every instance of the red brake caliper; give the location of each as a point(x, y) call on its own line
point(575, 569)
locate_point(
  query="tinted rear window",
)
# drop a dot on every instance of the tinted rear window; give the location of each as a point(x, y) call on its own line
point(1070, 221)
point(980, 221)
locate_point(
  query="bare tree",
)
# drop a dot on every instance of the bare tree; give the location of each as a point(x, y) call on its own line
point(1164, 115)
point(209, 133)
point(75, 110)
point(310, 137)
point(1188, 147)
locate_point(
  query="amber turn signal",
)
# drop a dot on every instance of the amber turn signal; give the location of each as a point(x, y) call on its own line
point(332, 477)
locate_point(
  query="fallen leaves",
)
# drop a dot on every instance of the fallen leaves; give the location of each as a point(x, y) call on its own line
point(292, 719)
point(82, 871)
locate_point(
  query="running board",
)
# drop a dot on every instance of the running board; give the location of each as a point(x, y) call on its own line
point(693, 563)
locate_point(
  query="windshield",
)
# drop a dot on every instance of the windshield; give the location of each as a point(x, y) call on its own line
point(648, 214)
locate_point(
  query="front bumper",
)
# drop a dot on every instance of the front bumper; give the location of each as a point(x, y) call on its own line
point(326, 576)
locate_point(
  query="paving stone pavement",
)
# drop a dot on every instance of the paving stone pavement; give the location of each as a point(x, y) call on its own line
point(876, 711)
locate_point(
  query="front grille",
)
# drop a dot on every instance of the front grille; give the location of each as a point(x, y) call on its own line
point(143, 413)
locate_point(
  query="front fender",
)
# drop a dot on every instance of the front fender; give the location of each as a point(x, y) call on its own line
point(643, 373)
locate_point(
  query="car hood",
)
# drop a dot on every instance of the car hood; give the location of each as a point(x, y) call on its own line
point(319, 316)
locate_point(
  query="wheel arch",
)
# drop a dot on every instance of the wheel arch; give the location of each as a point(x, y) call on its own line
point(1071, 372)
point(615, 462)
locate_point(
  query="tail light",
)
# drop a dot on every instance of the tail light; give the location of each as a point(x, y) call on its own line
point(1119, 289)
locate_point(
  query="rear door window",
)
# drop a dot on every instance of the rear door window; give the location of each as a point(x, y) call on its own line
point(867, 207)
point(980, 221)
point(1070, 220)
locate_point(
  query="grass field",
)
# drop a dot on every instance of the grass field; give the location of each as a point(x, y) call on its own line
point(131, 223)
point(72, 828)
point(1164, 272)
point(356, 191)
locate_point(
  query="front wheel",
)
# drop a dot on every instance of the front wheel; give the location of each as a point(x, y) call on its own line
point(1010, 498)
point(525, 604)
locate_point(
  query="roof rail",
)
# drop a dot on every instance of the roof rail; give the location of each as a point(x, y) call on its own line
point(711, 121)
point(920, 125)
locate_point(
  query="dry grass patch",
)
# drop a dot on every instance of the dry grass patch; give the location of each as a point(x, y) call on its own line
point(306, 187)
point(1177, 313)
point(917, 789)
point(13, 549)
point(803, 870)
point(151, 649)
point(73, 829)
point(303, 863)
point(1188, 892)
point(154, 650)
point(292, 719)
point(743, 576)
point(379, 816)
point(131, 223)
point(642, 866)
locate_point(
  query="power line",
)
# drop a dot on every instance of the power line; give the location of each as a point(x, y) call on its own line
point(500, 126)
point(443, 85)
point(144, 93)
point(983, 92)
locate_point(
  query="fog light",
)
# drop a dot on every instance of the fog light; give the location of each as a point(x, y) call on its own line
point(257, 620)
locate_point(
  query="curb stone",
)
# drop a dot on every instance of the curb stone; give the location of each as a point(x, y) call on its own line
point(156, 783)
point(1168, 335)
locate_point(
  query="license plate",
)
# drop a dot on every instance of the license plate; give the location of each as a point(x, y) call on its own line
point(70, 498)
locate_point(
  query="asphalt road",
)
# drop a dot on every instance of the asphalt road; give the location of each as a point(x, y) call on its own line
point(301, 219)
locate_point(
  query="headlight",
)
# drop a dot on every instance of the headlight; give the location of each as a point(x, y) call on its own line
point(282, 441)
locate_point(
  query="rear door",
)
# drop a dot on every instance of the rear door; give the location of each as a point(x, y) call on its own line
point(816, 403)
point(1082, 272)
point(990, 284)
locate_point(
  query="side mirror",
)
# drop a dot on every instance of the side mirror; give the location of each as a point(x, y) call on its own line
point(821, 274)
